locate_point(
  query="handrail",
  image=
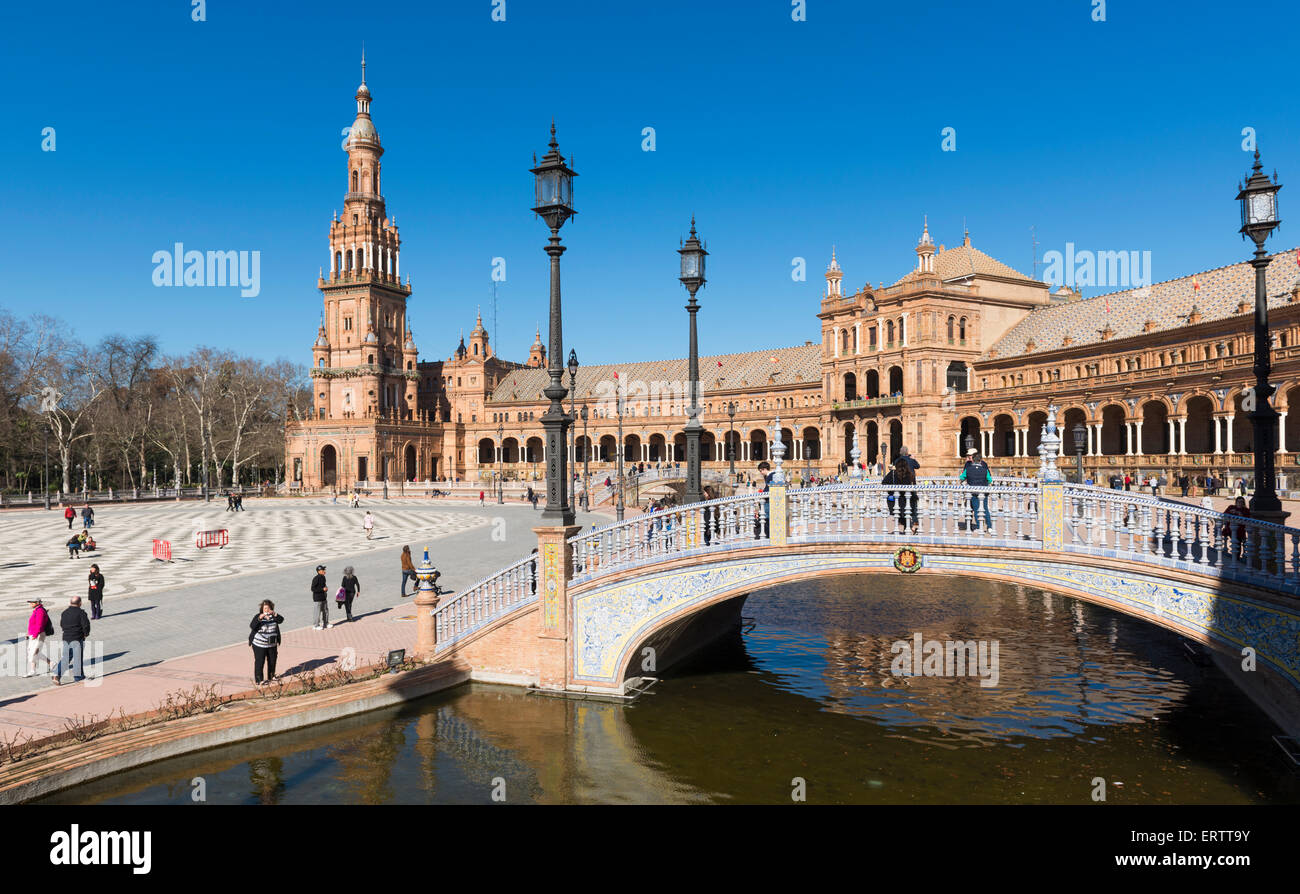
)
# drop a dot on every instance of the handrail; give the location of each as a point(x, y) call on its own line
point(483, 602)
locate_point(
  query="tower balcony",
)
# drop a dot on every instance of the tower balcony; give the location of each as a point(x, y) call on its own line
point(363, 277)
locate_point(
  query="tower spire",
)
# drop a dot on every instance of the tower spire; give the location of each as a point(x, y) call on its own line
point(363, 62)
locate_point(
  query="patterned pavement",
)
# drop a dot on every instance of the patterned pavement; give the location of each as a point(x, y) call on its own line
point(270, 533)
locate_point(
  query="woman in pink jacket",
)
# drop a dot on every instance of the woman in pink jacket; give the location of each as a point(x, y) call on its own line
point(38, 627)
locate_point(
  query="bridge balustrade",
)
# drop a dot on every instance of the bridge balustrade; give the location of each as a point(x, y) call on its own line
point(871, 512)
point(658, 536)
point(489, 599)
point(1107, 522)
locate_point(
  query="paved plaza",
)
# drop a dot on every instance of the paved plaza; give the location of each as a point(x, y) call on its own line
point(157, 612)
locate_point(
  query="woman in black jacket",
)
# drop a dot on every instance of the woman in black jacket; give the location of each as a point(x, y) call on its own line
point(264, 638)
point(96, 593)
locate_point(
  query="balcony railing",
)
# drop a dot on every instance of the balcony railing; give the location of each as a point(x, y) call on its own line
point(868, 402)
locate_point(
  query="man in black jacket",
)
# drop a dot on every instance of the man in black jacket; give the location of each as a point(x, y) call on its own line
point(75, 625)
point(318, 597)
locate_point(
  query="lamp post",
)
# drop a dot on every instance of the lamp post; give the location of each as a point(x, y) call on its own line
point(46, 480)
point(573, 397)
point(731, 439)
point(1080, 440)
point(693, 255)
point(554, 195)
point(586, 461)
point(501, 453)
point(1258, 219)
point(618, 510)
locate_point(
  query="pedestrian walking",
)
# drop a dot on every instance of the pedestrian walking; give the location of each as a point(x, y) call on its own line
point(69, 513)
point(480, 498)
point(349, 589)
point(264, 639)
point(322, 619)
point(368, 523)
point(408, 570)
point(87, 517)
point(75, 626)
point(39, 626)
point(96, 595)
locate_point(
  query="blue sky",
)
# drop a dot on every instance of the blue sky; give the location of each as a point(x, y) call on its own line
point(782, 137)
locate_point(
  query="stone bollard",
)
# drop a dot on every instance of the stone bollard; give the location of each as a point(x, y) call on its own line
point(426, 600)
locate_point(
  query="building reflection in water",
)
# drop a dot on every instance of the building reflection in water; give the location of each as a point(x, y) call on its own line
point(1061, 666)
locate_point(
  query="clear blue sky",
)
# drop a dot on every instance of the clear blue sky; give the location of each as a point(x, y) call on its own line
point(782, 138)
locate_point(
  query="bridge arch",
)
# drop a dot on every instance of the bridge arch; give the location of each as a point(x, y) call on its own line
point(613, 622)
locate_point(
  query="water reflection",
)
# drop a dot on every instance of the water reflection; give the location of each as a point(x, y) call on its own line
point(806, 691)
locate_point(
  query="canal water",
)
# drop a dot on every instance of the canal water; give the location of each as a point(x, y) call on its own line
point(803, 700)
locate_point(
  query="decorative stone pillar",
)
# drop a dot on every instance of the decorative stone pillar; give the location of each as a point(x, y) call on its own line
point(426, 600)
point(554, 570)
point(1051, 502)
point(1231, 419)
point(1218, 435)
point(1281, 432)
point(1182, 436)
point(778, 507)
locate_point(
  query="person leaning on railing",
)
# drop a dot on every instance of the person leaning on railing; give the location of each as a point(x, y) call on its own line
point(1240, 509)
point(976, 474)
point(903, 474)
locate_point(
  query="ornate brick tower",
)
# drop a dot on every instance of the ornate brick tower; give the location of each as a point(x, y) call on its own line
point(367, 423)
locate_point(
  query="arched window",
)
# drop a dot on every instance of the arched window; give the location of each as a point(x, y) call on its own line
point(889, 332)
point(338, 261)
point(952, 326)
point(902, 329)
point(370, 359)
point(476, 348)
point(349, 259)
point(961, 330)
point(354, 181)
point(374, 182)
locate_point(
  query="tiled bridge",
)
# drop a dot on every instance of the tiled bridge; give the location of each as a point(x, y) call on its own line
point(576, 615)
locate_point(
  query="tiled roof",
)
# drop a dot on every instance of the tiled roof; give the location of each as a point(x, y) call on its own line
point(1215, 294)
point(962, 261)
point(752, 369)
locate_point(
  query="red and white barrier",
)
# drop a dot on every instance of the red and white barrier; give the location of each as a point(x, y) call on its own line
point(219, 538)
point(162, 550)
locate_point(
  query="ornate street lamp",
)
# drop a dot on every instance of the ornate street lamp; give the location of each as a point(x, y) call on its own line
point(693, 255)
point(1258, 219)
point(573, 397)
point(501, 455)
point(1080, 441)
point(970, 444)
point(618, 511)
point(586, 461)
point(731, 439)
point(554, 196)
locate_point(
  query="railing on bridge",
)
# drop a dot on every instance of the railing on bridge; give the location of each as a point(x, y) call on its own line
point(479, 605)
point(1100, 521)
